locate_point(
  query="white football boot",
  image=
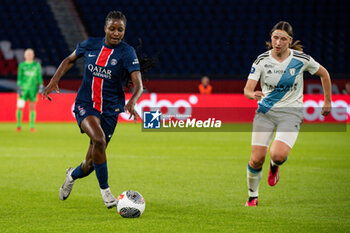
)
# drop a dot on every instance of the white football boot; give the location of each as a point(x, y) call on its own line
point(109, 200)
point(67, 186)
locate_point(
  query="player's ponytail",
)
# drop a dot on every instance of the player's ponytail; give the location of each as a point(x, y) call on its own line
point(146, 63)
point(297, 46)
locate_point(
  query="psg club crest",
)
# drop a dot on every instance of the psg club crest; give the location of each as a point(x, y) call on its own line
point(81, 111)
point(151, 120)
point(114, 62)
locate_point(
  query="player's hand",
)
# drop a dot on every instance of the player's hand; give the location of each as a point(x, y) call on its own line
point(19, 91)
point(258, 95)
point(326, 109)
point(130, 107)
point(52, 86)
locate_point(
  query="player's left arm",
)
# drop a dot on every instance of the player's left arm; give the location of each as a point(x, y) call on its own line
point(327, 90)
point(40, 79)
point(138, 89)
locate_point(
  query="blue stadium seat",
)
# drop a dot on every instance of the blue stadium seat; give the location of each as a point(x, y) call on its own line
point(215, 37)
point(30, 23)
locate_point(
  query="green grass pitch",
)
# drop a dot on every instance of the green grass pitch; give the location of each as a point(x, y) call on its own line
point(192, 182)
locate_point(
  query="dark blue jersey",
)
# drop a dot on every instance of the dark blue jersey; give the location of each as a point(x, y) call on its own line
point(106, 70)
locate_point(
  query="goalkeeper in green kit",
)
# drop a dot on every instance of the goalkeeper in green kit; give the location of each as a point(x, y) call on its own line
point(30, 82)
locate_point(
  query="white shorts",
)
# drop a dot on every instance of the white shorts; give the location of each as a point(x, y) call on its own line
point(287, 128)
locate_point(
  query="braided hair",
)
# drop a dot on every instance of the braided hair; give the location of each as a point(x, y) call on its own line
point(115, 15)
point(146, 64)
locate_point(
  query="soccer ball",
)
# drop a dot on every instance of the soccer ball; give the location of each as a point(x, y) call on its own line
point(130, 204)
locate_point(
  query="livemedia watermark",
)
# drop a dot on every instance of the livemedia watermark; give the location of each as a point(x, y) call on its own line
point(241, 120)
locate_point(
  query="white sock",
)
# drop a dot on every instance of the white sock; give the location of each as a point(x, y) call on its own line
point(253, 180)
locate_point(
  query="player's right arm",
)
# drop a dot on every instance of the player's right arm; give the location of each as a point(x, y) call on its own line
point(19, 79)
point(249, 90)
point(253, 78)
point(65, 65)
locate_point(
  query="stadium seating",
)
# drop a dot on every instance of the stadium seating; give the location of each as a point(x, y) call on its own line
point(191, 37)
point(224, 36)
point(30, 24)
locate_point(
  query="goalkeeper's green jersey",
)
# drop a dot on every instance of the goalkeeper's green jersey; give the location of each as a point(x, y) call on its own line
point(29, 75)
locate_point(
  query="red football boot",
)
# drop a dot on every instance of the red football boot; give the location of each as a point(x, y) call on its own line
point(272, 179)
point(252, 202)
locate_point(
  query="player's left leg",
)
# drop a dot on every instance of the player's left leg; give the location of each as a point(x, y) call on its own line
point(32, 115)
point(97, 131)
point(86, 167)
point(279, 152)
point(286, 136)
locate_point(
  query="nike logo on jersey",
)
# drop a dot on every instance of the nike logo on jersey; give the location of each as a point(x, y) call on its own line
point(136, 61)
point(92, 55)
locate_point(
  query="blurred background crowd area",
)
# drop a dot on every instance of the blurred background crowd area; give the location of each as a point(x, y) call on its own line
point(191, 38)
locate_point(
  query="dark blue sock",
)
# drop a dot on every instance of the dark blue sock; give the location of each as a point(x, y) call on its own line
point(280, 163)
point(102, 174)
point(79, 173)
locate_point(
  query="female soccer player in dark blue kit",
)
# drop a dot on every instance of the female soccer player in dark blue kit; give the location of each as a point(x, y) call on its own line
point(109, 62)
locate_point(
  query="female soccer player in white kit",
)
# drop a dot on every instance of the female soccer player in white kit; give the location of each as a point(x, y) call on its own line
point(280, 71)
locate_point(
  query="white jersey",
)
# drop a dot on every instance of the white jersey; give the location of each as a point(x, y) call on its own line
point(282, 82)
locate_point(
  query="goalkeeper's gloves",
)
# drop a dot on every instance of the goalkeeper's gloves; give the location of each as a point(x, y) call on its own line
point(19, 91)
point(41, 89)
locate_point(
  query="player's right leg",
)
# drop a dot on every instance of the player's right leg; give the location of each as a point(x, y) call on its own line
point(263, 130)
point(20, 105)
point(67, 186)
point(254, 173)
point(81, 171)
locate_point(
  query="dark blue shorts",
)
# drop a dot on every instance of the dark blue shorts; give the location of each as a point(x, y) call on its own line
point(108, 123)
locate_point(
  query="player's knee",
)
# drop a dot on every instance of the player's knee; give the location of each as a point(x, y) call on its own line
point(278, 156)
point(99, 142)
point(256, 163)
